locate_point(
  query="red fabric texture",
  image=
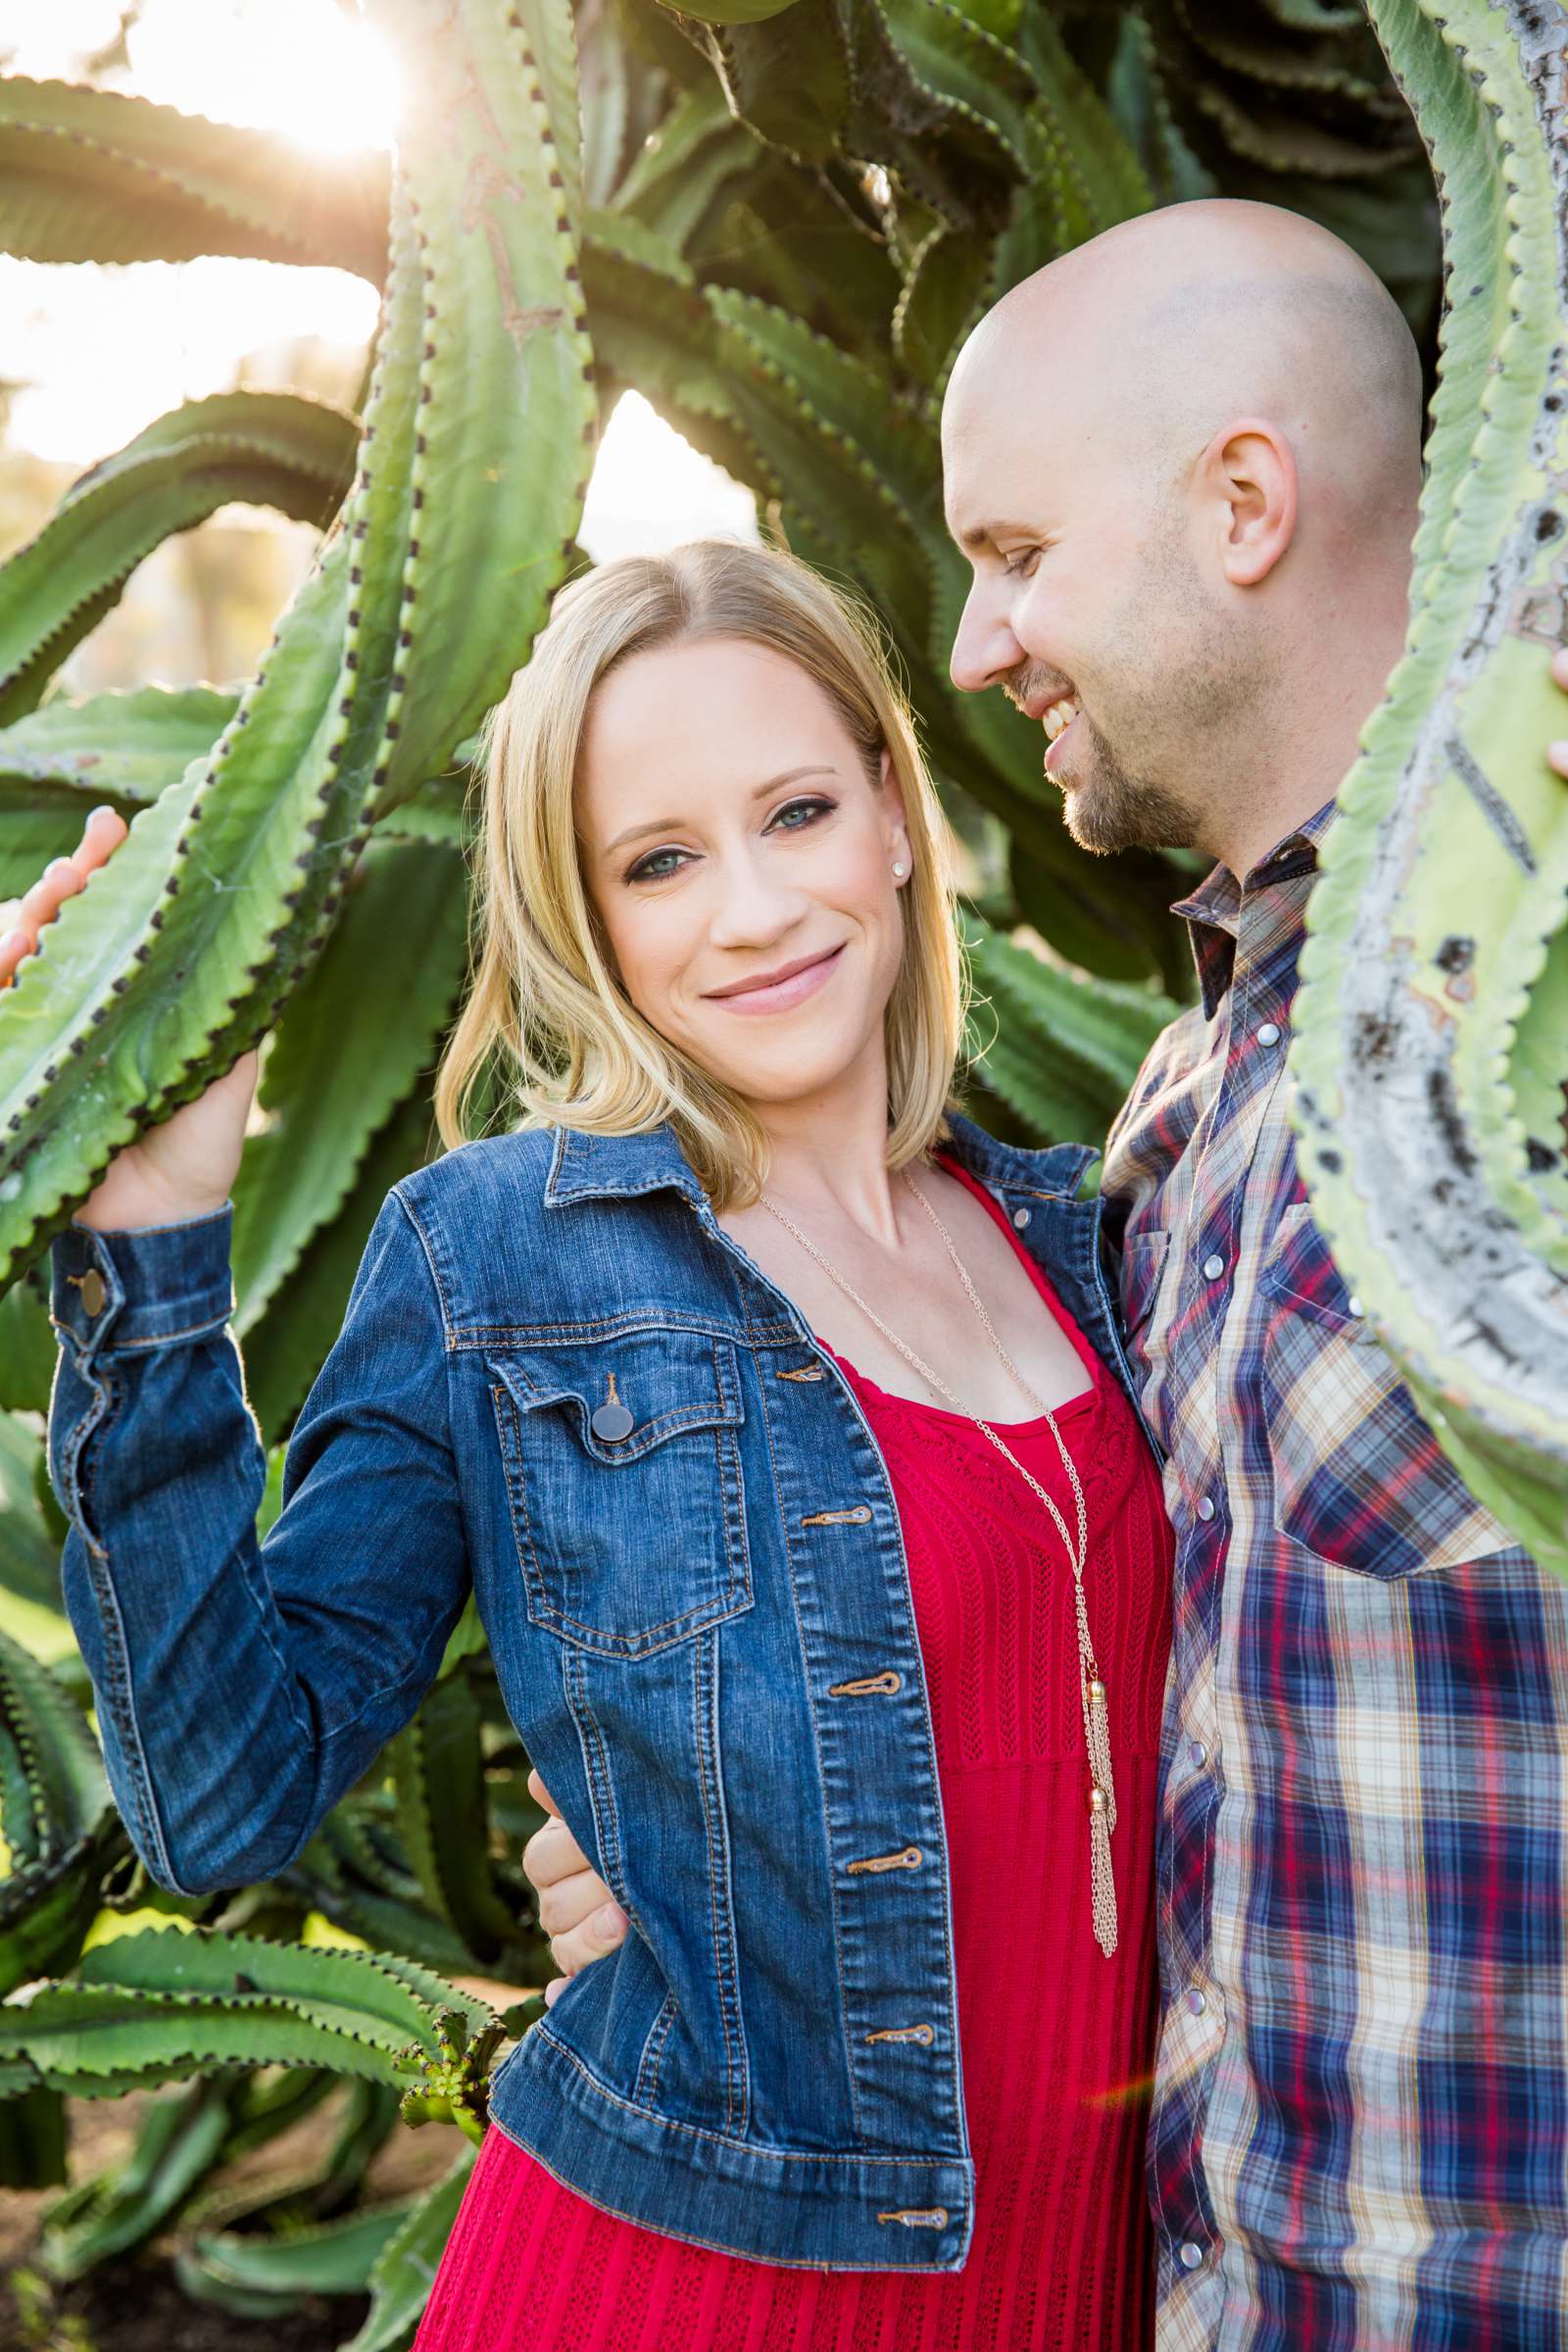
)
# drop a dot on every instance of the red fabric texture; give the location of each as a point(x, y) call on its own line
point(1057, 2041)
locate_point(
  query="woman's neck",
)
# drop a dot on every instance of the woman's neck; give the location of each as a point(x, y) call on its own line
point(829, 1156)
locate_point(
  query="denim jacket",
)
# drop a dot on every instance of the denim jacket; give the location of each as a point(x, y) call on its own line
point(702, 1627)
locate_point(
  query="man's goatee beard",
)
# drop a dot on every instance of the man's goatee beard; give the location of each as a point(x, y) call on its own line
point(1111, 811)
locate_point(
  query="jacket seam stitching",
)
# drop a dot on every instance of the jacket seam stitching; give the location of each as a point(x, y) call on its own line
point(120, 1689)
point(803, 1647)
point(162, 1338)
point(653, 2051)
point(705, 1705)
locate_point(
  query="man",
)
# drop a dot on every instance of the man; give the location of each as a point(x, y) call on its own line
point(1184, 462)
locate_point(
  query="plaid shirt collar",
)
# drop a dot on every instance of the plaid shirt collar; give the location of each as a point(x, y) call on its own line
point(1213, 912)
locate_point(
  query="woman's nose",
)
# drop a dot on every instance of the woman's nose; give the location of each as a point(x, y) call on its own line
point(751, 908)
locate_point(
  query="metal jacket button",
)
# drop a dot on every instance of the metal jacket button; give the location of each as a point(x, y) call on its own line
point(612, 1421)
point(93, 1293)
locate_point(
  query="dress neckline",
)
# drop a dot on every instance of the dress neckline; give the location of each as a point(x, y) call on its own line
point(1083, 1399)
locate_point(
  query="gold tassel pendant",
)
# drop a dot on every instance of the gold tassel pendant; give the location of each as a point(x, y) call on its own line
point(1101, 1820)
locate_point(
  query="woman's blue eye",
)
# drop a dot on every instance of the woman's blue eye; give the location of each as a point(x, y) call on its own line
point(659, 864)
point(805, 810)
point(653, 868)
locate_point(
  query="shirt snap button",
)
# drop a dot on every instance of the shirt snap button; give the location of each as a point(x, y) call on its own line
point(1196, 2002)
point(1213, 1268)
point(1268, 1033)
point(1190, 2254)
point(1205, 1507)
point(1020, 1216)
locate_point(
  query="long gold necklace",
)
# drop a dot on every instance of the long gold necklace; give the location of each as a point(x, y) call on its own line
point(1091, 1687)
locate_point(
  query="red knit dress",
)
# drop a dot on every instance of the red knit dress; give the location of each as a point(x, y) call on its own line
point(1057, 2041)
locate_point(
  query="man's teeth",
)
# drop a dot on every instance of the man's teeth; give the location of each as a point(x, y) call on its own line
point(1059, 716)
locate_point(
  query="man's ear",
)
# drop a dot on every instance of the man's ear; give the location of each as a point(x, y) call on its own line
point(1248, 470)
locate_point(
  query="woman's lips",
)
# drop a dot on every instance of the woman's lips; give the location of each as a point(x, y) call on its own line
point(780, 996)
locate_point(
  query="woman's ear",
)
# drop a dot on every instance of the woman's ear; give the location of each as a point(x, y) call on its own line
point(892, 793)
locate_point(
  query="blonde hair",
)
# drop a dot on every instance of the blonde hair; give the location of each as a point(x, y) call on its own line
point(544, 996)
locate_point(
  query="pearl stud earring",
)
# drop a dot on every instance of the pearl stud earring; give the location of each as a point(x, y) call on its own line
point(897, 870)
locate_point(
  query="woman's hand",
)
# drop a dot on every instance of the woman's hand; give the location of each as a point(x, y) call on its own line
point(576, 1909)
point(186, 1166)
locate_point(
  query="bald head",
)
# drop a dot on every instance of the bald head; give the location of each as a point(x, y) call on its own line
point(1184, 460)
point(1176, 322)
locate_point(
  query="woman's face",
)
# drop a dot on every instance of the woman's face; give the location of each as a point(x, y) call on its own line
point(742, 866)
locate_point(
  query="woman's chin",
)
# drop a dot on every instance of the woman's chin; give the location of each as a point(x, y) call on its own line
point(798, 1071)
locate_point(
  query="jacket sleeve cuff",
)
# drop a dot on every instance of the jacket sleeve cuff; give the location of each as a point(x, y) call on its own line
point(146, 1286)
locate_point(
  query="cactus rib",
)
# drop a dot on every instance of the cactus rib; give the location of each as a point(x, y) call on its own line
point(1450, 1215)
point(475, 454)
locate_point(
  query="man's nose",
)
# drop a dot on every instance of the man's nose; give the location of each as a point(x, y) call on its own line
point(985, 650)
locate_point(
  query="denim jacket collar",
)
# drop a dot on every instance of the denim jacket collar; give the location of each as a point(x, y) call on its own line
point(601, 1167)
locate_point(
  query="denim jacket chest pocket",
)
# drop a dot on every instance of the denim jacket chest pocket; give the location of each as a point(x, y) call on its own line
point(624, 1478)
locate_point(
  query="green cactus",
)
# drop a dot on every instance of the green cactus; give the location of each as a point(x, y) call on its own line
point(778, 221)
point(60, 1829)
point(170, 2002)
point(399, 2278)
point(474, 459)
point(1430, 1057)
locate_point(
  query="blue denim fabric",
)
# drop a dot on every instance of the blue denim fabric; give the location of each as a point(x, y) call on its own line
point(703, 1631)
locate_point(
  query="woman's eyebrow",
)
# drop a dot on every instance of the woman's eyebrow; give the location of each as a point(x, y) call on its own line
point(671, 824)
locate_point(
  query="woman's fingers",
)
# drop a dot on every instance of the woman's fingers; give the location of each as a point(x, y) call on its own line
point(21, 920)
point(541, 1794)
point(104, 830)
point(576, 1909)
point(600, 1933)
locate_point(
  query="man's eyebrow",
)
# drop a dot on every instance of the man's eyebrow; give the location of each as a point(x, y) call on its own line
point(982, 534)
point(672, 825)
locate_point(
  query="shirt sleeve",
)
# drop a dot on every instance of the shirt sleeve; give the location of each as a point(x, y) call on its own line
point(244, 1685)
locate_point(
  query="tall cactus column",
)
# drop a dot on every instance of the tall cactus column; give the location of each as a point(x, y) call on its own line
point(425, 596)
point(1433, 1031)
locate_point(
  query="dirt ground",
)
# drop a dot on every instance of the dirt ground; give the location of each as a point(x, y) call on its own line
point(136, 2304)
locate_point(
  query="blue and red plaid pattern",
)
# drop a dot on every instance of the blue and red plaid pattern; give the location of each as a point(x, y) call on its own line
point(1360, 2127)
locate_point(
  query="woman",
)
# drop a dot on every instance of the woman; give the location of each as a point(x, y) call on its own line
point(776, 1416)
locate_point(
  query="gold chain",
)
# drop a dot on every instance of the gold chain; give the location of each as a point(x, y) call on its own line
point(1091, 1688)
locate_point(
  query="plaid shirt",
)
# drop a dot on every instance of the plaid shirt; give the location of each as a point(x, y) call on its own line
point(1360, 2127)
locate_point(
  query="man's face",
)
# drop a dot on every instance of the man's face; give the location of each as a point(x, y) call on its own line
point(1091, 611)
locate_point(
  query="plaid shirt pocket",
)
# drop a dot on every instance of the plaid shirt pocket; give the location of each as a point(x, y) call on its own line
point(1359, 1479)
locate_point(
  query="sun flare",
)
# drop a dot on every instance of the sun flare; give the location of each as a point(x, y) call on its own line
point(301, 67)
